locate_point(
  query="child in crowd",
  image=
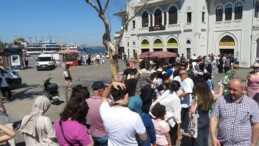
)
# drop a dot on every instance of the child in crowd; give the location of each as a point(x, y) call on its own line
point(162, 127)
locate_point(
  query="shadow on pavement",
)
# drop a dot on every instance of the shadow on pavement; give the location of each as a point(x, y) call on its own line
point(26, 93)
point(20, 144)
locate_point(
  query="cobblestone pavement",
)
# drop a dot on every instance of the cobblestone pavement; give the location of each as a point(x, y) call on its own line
point(32, 86)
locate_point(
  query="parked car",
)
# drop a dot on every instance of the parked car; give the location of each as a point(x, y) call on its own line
point(13, 77)
point(45, 61)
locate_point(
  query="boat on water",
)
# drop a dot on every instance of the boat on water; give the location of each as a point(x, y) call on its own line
point(43, 47)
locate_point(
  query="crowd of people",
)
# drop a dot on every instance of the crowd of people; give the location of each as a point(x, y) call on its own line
point(88, 59)
point(155, 106)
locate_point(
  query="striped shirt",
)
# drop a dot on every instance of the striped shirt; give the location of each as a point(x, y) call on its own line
point(236, 120)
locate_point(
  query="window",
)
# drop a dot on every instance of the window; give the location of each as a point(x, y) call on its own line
point(133, 24)
point(173, 15)
point(219, 13)
point(151, 20)
point(203, 17)
point(188, 42)
point(228, 12)
point(238, 11)
point(134, 43)
point(145, 19)
point(158, 18)
point(165, 18)
point(189, 17)
point(257, 9)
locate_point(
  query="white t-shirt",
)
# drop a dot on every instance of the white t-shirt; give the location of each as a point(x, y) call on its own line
point(172, 106)
point(187, 87)
point(121, 124)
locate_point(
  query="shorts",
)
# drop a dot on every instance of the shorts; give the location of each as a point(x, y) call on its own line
point(68, 78)
point(173, 133)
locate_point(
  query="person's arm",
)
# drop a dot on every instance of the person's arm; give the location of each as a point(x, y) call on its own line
point(168, 138)
point(107, 90)
point(213, 126)
point(8, 133)
point(220, 93)
point(255, 134)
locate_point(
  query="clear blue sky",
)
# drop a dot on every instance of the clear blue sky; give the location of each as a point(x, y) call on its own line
point(67, 20)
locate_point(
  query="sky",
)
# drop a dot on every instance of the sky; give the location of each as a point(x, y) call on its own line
point(67, 21)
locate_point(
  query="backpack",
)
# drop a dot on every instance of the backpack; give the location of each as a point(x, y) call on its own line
point(65, 73)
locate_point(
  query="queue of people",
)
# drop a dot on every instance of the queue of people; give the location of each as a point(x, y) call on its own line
point(155, 107)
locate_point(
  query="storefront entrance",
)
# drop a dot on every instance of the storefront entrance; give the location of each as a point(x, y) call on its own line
point(174, 50)
point(227, 52)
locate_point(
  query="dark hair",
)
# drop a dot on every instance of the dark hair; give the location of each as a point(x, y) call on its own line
point(204, 96)
point(133, 71)
point(119, 93)
point(175, 85)
point(127, 64)
point(159, 111)
point(206, 76)
point(76, 108)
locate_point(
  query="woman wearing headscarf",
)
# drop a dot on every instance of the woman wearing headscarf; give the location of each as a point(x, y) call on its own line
point(37, 129)
point(145, 91)
point(71, 128)
point(229, 75)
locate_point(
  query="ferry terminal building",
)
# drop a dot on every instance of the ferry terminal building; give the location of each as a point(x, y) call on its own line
point(190, 27)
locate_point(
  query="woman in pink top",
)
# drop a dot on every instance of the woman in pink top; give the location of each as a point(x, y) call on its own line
point(253, 82)
point(71, 127)
point(162, 127)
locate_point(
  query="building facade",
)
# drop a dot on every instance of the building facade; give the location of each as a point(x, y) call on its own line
point(198, 27)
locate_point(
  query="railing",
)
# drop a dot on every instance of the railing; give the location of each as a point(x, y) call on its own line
point(157, 28)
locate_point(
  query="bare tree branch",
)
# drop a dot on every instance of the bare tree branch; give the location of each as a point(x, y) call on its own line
point(100, 7)
point(127, 22)
point(105, 6)
point(92, 4)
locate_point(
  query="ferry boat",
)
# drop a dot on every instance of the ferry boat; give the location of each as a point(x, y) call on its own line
point(43, 47)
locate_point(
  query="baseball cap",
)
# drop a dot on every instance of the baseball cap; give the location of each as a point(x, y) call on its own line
point(98, 85)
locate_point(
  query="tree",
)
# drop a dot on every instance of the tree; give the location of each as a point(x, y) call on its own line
point(19, 41)
point(1, 44)
point(111, 48)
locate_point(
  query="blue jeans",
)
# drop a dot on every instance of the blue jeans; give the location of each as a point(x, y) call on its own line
point(100, 141)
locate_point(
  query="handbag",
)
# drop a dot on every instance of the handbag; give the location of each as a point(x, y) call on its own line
point(60, 124)
point(193, 124)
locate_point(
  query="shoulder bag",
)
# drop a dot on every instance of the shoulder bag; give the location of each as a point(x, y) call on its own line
point(60, 124)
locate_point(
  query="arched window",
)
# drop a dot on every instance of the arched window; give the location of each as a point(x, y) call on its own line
point(173, 15)
point(188, 42)
point(238, 11)
point(227, 41)
point(228, 12)
point(158, 18)
point(145, 19)
point(219, 13)
point(257, 9)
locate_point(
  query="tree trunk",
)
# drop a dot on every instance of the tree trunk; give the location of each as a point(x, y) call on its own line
point(113, 59)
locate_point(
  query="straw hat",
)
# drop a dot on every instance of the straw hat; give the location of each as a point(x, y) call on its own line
point(143, 71)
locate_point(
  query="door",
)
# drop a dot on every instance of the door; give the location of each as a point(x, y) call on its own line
point(188, 53)
point(227, 52)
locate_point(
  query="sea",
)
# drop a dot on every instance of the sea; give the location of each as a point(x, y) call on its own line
point(95, 51)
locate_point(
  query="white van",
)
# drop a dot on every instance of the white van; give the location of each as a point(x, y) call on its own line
point(45, 61)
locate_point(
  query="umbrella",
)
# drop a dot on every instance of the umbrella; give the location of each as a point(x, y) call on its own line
point(144, 55)
point(162, 54)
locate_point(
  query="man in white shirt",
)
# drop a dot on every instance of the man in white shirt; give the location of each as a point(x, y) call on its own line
point(4, 87)
point(186, 96)
point(121, 124)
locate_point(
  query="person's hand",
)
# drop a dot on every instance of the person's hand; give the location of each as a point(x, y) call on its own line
point(118, 84)
point(107, 90)
point(215, 142)
point(220, 84)
point(179, 137)
point(2, 110)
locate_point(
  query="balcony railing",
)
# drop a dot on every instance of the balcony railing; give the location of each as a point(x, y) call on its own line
point(157, 28)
